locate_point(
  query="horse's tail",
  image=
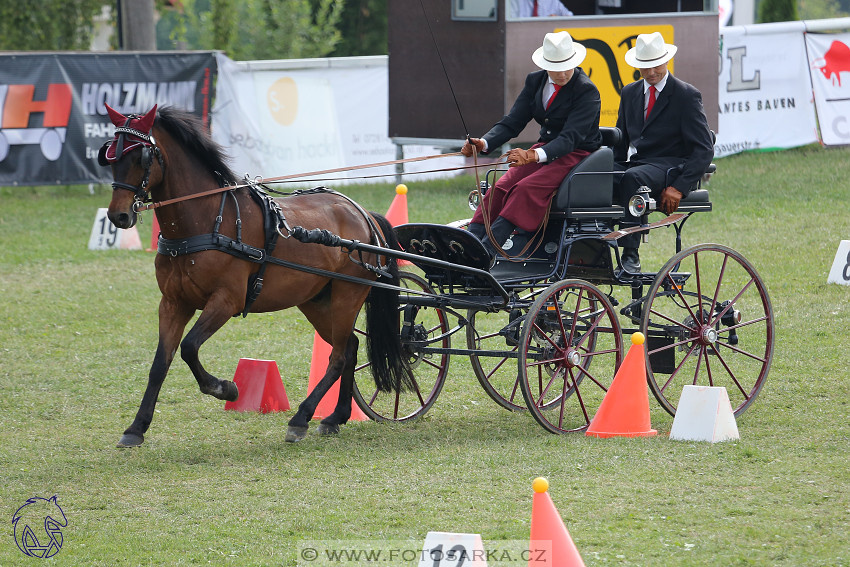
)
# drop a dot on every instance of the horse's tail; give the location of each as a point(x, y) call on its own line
point(390, 366)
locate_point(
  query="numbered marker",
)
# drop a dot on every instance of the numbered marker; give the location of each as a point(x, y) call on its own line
point(840, 272)
point(105, 236)
point(442, 549)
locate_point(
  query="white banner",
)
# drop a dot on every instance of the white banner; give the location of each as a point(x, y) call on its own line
point(295, 116)
point(829, 56)
point(765, 92)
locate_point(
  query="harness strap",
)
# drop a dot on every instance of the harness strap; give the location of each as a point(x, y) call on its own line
point(178, 247)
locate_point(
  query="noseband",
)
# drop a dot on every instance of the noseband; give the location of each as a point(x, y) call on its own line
point(146, 140)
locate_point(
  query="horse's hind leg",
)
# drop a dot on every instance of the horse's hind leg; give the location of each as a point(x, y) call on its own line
point(212, 318)
point(300, 422)
point(172, 322)
point(342, 411)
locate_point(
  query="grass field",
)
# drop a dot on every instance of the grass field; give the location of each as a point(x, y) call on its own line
point(213, 487)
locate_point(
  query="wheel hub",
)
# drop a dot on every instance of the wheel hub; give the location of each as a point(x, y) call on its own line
point(708, 335)
point(572, 357)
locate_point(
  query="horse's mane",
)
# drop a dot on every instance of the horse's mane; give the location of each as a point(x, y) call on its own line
point(188, 131)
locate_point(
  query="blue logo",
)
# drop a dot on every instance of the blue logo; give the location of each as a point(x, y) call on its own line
point(38, 527)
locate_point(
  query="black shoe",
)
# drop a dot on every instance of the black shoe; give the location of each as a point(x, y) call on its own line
point(501, 228)
point(517, 242)
point(476, 229)
point(630, 260)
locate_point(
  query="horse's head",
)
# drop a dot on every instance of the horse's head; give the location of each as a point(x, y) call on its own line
point(131, 154)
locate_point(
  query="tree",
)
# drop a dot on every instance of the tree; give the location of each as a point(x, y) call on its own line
point(364, 28)
point(777, 11)
point(820, 9)
point(52, 25)
point(254, 29)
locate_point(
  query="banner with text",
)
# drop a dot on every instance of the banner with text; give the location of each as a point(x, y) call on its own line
point(52, 114)
point(765, 92)
point(284, 117)
point(829, 59)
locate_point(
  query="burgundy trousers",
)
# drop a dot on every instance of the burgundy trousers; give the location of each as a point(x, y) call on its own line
point(522, 195)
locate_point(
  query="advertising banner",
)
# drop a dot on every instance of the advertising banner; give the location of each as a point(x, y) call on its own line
point(278, 118)
point(765, 92)
point(829, 58)
point(52, 114)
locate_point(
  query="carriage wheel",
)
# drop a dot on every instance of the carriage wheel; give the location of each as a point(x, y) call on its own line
point(571, 324)
point(497, 374)
point(429, 370)
point(709, 322)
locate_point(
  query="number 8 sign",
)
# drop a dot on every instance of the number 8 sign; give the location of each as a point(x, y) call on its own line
point(105, 236)
point(840, 272)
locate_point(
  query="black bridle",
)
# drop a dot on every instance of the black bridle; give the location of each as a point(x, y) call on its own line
point(148, 143)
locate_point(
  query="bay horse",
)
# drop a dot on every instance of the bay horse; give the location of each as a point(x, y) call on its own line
point(219, 253)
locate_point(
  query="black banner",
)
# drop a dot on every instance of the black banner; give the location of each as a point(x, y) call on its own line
point(52, 114)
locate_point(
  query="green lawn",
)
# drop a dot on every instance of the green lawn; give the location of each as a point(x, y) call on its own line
point(213, 487)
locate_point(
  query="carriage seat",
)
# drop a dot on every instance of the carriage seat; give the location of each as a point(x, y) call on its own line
point(588, 189)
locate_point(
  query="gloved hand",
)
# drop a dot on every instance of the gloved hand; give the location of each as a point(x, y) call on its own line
point(472, 143)
point(519, 156)
point(669, 200)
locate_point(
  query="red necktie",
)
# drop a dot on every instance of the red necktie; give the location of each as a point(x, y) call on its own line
point(651, 101)
point(551, 98)
point(534, 10)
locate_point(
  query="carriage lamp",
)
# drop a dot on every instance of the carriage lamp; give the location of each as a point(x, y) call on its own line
point(641, 203)
point(475, 195)
point(730, 318)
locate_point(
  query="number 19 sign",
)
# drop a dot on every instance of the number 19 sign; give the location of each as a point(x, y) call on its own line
point(105, 235)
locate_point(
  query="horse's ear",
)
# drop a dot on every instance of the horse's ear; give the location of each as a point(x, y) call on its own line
point(116, 117)
point(145, 123)
point(101, 154)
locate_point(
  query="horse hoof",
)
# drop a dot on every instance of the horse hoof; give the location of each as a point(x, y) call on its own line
point(328, 429)
point(130, 440)
point(232, 393)
point(296, 433)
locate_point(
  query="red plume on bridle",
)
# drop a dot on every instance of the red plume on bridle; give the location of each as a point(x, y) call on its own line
point(131, 131)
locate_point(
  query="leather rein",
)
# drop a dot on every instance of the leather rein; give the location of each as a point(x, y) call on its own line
point(144, 204)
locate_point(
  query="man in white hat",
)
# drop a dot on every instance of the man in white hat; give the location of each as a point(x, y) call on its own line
point(663, 120)
point(566, 104)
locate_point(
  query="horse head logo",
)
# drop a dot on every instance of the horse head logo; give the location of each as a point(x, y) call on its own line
point(38, 527)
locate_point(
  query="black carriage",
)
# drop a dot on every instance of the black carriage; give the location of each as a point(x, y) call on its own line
point(545, 332)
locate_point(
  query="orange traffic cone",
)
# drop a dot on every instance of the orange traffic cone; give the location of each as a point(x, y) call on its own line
point(551, 544)
point(397, 213)
point(154, 234)
point(318, 365)
point(260, 387)
point(624, 411)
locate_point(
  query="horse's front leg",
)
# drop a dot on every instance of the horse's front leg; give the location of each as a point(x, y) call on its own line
point(215, 314)
point(172, 321)
point(342, 411)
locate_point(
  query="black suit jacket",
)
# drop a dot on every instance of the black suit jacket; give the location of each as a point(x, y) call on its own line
point(676, 133)
point(570, 123)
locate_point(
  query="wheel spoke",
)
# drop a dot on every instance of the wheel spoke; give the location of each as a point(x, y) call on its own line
point(732, 375)
point(679, 367)
point(745, 353)
point(731, 303)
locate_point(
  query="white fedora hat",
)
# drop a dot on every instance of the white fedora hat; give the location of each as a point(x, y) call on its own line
point(559, 52)
point(650, 51)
